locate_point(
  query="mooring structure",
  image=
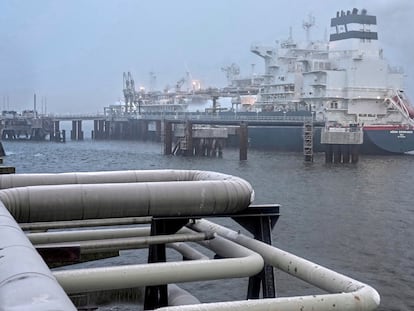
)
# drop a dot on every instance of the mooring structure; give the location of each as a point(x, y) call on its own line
point(154, 209)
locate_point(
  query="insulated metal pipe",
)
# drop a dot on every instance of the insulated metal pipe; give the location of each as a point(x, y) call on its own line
point(127, 176)
point(97, 234)
point(109, 245)
point(26, 283)
point(84, 235)
point(85, 223)
point(187, 251)
point(217, 194)
point(348, 294)
point(178, 296)
point(79, 235)
point(330, 302)
point(246, 263)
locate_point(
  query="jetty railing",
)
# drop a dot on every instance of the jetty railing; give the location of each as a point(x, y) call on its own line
point(224, 117)
point(179, 199)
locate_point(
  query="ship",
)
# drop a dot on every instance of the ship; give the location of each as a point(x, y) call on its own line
point(342, 84)
point(345, 83)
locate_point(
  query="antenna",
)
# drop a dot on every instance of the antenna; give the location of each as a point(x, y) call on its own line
point(307, 26)
point(153, 81)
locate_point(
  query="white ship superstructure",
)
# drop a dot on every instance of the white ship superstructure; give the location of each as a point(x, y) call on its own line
point(344, 81)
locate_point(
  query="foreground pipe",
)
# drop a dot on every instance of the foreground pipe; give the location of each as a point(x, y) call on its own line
point(215, 194)
point(84, 235)
point(347, 302)
point(348, 294)
point(85, 223)
point(96, 234)
point(247, 263)
point(26, 282)
point(178, 296)
point(127, 176)
point(111, 245)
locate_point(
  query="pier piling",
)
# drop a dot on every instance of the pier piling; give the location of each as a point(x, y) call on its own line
point(167, 138)
point(76, 132)
point(243, 140)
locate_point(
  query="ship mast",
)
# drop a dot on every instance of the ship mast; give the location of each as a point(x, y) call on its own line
point(307, 25)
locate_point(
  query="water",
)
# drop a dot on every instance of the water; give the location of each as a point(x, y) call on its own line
point(356, 219)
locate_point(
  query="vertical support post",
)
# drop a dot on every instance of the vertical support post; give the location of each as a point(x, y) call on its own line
point(243, 140)
point(64, 136)
point(95, 132)
point(167, 138)
point(336, 153)
point(107, 129)
point(56, 130)
point(143, 129)
point(189, 138)
point(157, 296)
point(101, 129)
point(345, 149)
point(158, 130)
point(354, 153)
point(328, 153)
point(2, 152)
point(261, 227)
point(73, 132)
point(80, 132)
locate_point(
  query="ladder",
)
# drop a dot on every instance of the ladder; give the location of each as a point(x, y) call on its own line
point(308, 141)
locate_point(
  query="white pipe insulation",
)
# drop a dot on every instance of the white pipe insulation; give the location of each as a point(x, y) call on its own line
point(154, 193)
point(26, 283)
point(243, 263)
point(127, 176)
point(347, 294)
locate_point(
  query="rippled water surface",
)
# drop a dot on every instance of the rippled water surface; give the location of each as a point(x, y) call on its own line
point(356, 219)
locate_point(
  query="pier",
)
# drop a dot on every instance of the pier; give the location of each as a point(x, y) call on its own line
point(342, 144)
point(189, 134)
point(151, 210)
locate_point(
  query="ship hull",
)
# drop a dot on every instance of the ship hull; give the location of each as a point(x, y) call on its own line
point(378, 141)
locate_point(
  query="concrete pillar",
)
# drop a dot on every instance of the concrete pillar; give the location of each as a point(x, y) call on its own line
point(79, 130)
point(158, 130)
point(243, 140)
point(336, 154)
point(354, 153)
point(63, 136)
point(107, 129)
point(328, 153)
point(143, 125)
point(167, 138)
point(101, 129)
point(345, 150)
point(95, 132)
point(189, 138)
point(73, 132)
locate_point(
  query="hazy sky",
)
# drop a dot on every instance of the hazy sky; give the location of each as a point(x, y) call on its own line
point(73, 52)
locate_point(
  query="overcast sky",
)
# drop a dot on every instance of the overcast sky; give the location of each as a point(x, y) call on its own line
point(73, 52)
